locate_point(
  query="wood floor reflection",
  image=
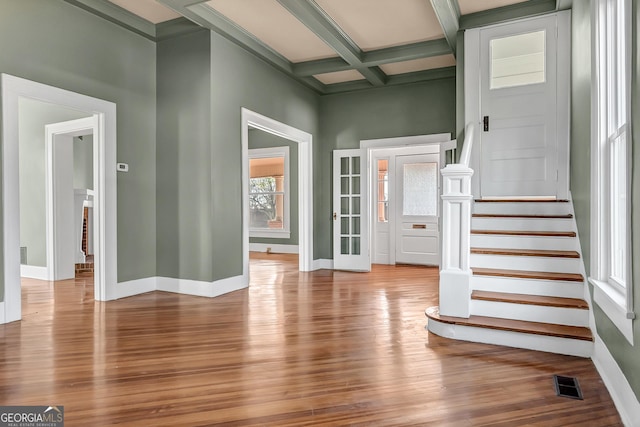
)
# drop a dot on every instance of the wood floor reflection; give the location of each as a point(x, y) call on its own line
point(320, 348)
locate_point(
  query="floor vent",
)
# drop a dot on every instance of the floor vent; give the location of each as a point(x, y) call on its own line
point(567, 387)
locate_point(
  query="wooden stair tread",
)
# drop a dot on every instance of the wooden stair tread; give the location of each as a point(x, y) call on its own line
point(536, 328)
point(524, 200)
point(540, 300)
point(526, 216)
point(527, 233)
point(523, 274)
point(526, 252)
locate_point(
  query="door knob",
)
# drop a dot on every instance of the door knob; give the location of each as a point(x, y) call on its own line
point(335, 216)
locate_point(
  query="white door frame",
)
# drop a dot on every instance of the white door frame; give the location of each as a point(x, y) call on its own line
point(85, 126)
point(305, 184)
point(472, 102)
point(104, 112)
point(392, 146)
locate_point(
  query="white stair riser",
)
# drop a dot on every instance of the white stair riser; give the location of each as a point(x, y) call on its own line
point(522, 224)
point(550, 288)
point(523, 242)
point(530, 313)
point(522, 208)
point(530, 263)
point(571, 347)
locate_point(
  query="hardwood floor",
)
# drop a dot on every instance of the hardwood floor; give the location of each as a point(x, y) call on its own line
point(321, 348)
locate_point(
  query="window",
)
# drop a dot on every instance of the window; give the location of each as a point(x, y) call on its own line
point(269, 192)
point(517, 60)
point(383, 190)
point(610, 265)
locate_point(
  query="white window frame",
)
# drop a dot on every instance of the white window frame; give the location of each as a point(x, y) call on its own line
point(614, 296)
point(285, 232)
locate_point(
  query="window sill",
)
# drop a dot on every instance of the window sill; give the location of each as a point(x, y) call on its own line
point(613, 303)
point(270, 234)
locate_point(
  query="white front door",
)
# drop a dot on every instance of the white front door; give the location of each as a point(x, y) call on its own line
point(350, 211)
point(417, 209)
point(519, 92)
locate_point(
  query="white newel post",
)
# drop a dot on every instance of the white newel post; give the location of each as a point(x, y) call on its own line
point(455, 274)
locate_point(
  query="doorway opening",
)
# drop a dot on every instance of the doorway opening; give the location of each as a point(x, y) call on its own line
point(104, 160)
point(253, 122)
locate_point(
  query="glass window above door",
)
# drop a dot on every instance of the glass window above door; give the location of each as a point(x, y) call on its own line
point(517, 60)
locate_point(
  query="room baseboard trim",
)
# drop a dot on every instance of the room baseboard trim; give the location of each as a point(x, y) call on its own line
point(34, 272)
point(322, 264)
point(200, 288)
point(2, 318)
point(621, 392)
point(135, 287)
point(275, 248)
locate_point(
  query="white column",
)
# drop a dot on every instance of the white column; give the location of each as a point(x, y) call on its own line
point(455, 274)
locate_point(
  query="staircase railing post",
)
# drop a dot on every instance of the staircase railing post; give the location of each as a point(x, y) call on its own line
point(455, 273)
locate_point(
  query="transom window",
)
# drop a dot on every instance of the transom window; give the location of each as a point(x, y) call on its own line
point(269, 192)
point(610, 266)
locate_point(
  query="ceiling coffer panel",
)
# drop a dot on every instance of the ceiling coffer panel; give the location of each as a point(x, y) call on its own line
point(377, 24)
point(271, 23)
point(339, 77)
point(472, 6)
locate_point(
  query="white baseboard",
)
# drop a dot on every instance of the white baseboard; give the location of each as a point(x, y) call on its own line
point(34, 272)
point(2, 318)
point(200, 288)
point(135, 287)
point(621, 392)
point(276, 249)
point(322, 264)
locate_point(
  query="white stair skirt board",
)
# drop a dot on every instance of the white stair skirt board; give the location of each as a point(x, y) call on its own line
point(199, 288)
point(519, 208)
point(530, 313)
point(568, 346)
point(523, 242)
point(550, 288)
point(530, 263)
point(34, 272)
point(526, 224)
point(273, 248)
point(621, 392)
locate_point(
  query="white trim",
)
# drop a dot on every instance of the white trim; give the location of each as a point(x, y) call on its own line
point(401, 141)
point(104, 183)
point(34, 272)
point(322, 264)
point(136, 287)
point(613, 303)
point(305, 184)
point(285, 232)
point(614, 379)
point(69, 128)
point(2, 315)
point(274, 248)
point(200, 288)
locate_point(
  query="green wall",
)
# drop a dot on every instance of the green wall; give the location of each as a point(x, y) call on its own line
point(416, 109)
point(32, 118)
point(239, 79)
point(626, 356)
point(183, 158)
point(261, 139)
point(58, 44)
point(83, 162)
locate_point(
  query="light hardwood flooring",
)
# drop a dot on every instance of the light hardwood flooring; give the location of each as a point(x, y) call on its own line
point(294, 349)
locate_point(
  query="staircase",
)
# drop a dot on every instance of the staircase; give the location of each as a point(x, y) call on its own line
point(527, 288)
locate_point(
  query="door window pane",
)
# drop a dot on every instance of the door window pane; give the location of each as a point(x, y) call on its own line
point(383, 190)
point(517, 60)
point(420, 195)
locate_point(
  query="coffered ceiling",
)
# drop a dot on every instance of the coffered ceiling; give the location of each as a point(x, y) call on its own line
point(330, 45)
